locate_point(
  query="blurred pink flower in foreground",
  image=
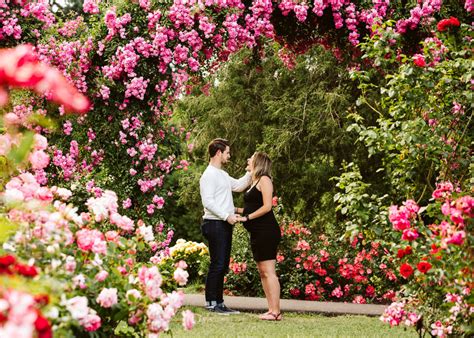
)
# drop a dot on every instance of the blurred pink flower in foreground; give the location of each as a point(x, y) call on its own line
point(19, 67)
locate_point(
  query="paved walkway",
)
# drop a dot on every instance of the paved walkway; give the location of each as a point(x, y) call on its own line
point(291, 305)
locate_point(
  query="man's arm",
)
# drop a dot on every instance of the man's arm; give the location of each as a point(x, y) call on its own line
point(240, 184)
point(207, 190)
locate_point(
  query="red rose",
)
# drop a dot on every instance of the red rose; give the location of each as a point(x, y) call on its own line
point(41, 323)
point(446, 23)
point(454, 22)
point(406, 270)
point(7, 260)
point(423, 266)
point(295, 292)
point(404, 252)
point(26, 270)
point(434, 249)
point(419, 60)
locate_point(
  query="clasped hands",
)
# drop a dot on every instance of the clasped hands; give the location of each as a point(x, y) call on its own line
point(236, 218)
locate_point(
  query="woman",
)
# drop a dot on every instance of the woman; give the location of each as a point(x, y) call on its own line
point(265, 234)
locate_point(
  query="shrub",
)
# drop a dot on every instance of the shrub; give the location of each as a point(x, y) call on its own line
point(315, 267)
point(434, 256)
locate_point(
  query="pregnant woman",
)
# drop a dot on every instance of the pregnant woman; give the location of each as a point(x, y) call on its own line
point(265, 234)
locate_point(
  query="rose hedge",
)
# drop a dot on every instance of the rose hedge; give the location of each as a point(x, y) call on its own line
point(434, 255)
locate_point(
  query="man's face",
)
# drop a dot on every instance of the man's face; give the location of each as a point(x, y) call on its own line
point(225, 156)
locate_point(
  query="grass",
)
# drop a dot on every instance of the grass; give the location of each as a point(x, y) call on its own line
point(293, 325)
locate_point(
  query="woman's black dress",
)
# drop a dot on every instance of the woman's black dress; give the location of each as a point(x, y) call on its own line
point(264, 230)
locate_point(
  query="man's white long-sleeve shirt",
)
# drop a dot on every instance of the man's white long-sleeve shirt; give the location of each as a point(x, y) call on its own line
point(216, 188)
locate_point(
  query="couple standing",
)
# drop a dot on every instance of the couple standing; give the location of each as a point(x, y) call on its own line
point(220, 215)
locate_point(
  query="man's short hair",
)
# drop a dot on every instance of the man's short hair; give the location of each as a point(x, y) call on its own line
point(217, 144)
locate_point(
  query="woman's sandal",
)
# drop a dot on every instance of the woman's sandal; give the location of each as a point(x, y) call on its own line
point(271, 316)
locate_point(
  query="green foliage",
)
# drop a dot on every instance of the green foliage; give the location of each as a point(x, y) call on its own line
point(420, 134)
point(362, 212)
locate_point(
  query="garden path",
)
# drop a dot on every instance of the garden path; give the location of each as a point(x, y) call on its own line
point(291, 305)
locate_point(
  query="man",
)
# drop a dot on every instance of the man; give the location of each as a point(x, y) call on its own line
point(216, 188)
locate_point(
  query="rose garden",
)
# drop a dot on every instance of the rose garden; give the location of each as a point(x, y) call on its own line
point(365, 107)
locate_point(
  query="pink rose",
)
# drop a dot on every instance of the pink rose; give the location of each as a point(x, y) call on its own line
point(39, 159)
point(91, 322)
point(188, 320)
point(41, 143)
point(457, 238)
point(410, 234)
point(101, 276)
point(107, 297)
point(44, 194)
point(181, 276)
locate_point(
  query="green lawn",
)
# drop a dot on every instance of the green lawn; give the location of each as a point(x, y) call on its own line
point(293, 325)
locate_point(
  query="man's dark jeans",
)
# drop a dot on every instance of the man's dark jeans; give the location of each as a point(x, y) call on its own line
point(219, 236)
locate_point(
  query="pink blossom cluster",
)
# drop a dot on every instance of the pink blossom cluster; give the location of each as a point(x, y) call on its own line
point(38, 159)
point(395, 314)
point(67, 162)
point(436, 50)
point(151, 280)
point(122, 222)
point(10, 28)
point(19, 116)
point(443, 190)
point(469, 5)
point(400, 217)
point(25, 188)
point(107, 297)
point(63, 218)
point(160, 314)
point(438, 329)
point(181, 276)
point(104, 206)
point(91, 240)
point(458, 211)
point(123, 62)
point(70, 57)
point(69, 28)
point(237, 267)
point(11, 12)
point(427, 8)
point(91, 6)
point(80, 311)
point(116, 24)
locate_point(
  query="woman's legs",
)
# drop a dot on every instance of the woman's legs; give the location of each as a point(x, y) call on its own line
point(270, 283)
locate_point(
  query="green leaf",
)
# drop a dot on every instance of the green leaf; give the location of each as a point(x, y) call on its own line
point(7, 229)
point(43, 121)
point(18, 155)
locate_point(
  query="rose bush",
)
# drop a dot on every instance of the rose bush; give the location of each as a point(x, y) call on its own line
point(434, 255)
point(314, 266)
point(100, 285)
point(86, 266)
